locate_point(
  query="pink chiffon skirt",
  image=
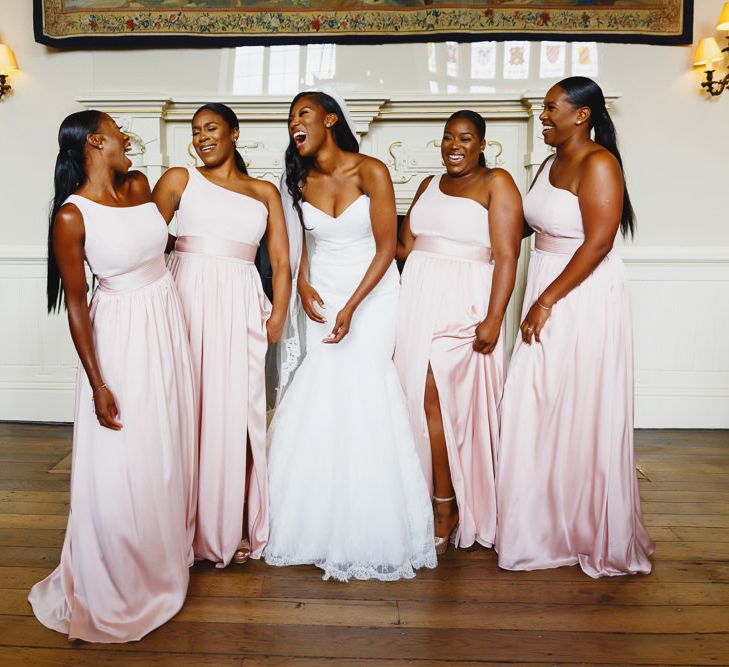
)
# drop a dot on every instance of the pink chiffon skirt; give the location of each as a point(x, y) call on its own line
point(566, 483)
point(442, 301)
point(125, 561)
point(226, 310)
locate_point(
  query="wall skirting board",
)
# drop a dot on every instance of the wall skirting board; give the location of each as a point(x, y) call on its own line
point(679, 324)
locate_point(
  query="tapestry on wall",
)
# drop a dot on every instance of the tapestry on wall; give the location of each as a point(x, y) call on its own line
point(132, 23)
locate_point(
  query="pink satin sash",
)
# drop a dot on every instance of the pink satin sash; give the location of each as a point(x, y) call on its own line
point(208, 245)
point(142, 276)
point(559, 245)
point(452, 249)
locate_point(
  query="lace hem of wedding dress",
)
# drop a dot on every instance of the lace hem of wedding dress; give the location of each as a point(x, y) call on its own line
point(344, 572)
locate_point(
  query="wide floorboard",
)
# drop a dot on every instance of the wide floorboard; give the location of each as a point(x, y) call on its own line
point(466, 612)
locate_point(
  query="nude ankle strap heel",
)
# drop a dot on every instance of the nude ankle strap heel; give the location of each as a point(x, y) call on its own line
point(441, 543)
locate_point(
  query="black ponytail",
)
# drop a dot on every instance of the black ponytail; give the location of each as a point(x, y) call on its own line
point(478, 123)
point(231, 120)
point(298, 167)
point(240, 162)
point(584, 92)
point(69, 175)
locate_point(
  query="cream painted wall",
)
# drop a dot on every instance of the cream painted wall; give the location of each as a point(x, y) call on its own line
point(675, 143)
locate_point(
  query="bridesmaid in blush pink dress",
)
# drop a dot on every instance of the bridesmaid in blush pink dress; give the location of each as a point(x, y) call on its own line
point(128, 547)
point(461, 239)
point(222, 214)
point(566, 486)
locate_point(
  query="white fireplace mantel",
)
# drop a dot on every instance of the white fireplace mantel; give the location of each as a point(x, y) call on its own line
point(403, 131)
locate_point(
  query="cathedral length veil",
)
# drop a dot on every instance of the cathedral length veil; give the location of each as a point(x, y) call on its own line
point(290, 350)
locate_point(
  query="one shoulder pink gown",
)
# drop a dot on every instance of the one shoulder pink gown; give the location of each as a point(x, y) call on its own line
point(566, 483)
point(125, 561)
point(226, 310)
point(446, 287)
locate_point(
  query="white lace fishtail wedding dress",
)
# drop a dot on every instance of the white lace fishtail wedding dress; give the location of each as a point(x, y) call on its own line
point(347, 492)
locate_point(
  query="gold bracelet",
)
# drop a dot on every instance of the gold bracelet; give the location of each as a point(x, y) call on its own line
point(543, 306)
point(98, 389)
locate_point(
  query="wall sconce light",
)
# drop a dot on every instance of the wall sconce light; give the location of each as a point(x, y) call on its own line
point(7, 63)
point(708, 53)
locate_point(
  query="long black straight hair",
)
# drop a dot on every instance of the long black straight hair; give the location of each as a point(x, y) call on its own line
point(231, 120)
point(298, 167)
point(478, 122)
point(584, 92)
point(69, 175)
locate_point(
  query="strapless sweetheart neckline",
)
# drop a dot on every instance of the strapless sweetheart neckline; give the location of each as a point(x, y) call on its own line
point(336, 217)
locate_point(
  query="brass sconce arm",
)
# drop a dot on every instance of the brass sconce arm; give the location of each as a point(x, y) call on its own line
point(4, 87)
point(714, 88)
point(7, 63)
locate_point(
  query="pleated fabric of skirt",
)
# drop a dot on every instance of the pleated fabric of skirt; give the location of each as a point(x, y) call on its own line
point(442, 301)
point(128, 547)
point(566, 481)
point(226, 311)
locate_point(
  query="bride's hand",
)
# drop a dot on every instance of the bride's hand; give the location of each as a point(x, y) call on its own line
point(309, 297)
point(341, 325)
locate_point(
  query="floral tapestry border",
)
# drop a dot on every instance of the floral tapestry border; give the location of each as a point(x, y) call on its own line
point(667, 22)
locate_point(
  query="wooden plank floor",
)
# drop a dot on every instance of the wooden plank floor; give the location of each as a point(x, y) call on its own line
point(466, 612)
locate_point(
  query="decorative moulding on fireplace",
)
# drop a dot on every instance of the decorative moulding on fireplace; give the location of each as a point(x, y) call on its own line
point(150, 103)
point(402, 130)
point(365, 107)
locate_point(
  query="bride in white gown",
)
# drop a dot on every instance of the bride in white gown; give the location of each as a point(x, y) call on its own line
point(346, 488)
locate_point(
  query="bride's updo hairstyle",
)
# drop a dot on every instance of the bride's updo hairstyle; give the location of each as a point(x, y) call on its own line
point(298, 167)
point(584, 92)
